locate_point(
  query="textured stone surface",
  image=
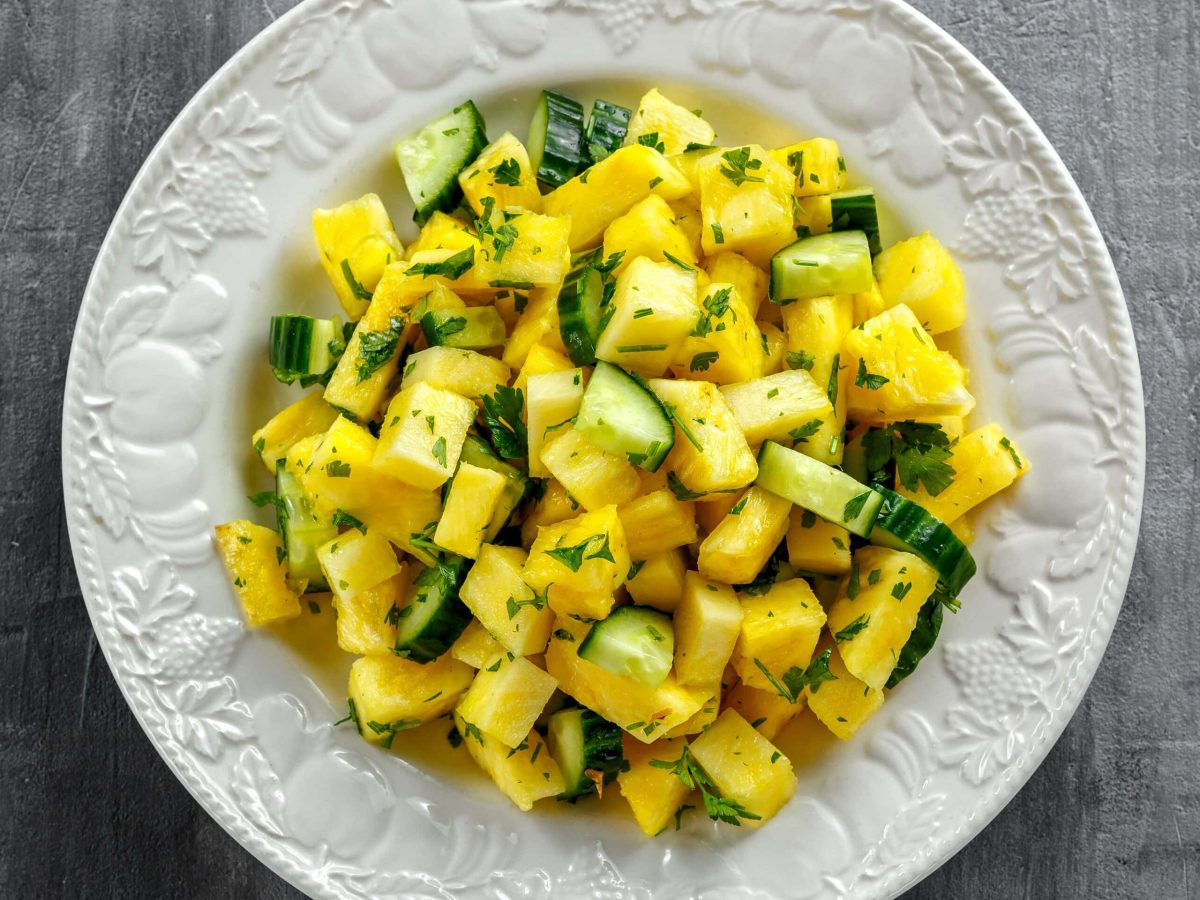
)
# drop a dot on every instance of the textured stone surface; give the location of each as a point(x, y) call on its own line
point(88, 809)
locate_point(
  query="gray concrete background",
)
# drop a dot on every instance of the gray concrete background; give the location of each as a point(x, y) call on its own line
point(87, 809)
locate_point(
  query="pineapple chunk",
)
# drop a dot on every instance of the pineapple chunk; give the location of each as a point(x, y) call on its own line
point(506, 698)
point(812, 215)
point(493, 590)
point(253, 556)
point(580, 562)
point(462, 372)
point(594, 477)
point(688, 218)
point(503, 173)
point(356, 241)
point(737, 549)
point(657, 522)
point(649, 482)
point(443, 267)
point(746, 200)
point(525, 249)
point(710, 453)
point(749, 280)
point(725, 346)
point(538, 324)
point(391, 694)
point(766, 711)
point(554, 398)
point(541, 360)
point(816, 545)
point(555, 506)
point(354, 562)
point(471, 504)
point(658, 581)
point(708, 621)
point(649, 230)
point(647, 342)
point(653, 793)
point(868, 304)
point(712, 510)
point(876, 610)
point(815, 329)
point(365, 625)
point(985, 462)
point(920, 274)
point(442, 232)
point(963, 530)
point(407, 517)
point(921, 379)
point(308, 416)
point(658, 122)
point(817, 165)
point(779, 631)
point(475, 646)
point(745, 767)
point(647, 714)
point(703, 719)
point(525, 773)
point(844, 704)
point(423, 434)
point(610, 189)
point(787, 405)
point(688, 163)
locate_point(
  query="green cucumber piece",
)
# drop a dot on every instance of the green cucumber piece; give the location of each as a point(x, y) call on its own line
point(606, 130)
point(473, 328)
point(826, 491)
point(435, 616)
point(857, 211)
point(301, 347)
point(620, 415)
point(580, 313)
point(582, 742)
point(432, 158)
point(908, 526)
point(477, 452)
point(302, 531)
point(556, 139)
point(836, 263)
point(634, 641)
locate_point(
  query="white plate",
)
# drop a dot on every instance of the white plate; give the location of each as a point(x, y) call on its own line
point(168, 378)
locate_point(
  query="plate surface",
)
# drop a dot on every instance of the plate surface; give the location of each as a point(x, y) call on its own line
point(167, 379)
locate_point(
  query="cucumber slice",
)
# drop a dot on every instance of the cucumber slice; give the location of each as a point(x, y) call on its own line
point(831, 494)
point(838, 263)
point(634, 641)
point(586, 747)
point(606, 130)
point(477, 452)
point(302, 531)
point(303, 347)
point(556, 139)
point(580, 313)
point(435, 617)
point(432, 158)
point(908, 526)
point(473, 328)
point(857, 211)
point(620, 415)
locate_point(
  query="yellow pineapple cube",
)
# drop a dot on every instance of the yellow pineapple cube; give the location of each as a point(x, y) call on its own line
point(745, 767)
point(555, 506)
point(442, 232)
point(659, 580)
point(653, 310)
point(688, 218)
point(657, 522)
point(654, 793)
point(711, 511)
point(610, 189)
point(707, 621)
point(766, 711)
point(737, 549)
point(406, 516)
point(354, 562)
point(506, 698)
point(541, 360)
point(725, 346)
point(815, 329)
point(780, 629)
point(594, 477)
point(365, 623)
point(308, 416)
point(868, 304)
point(507, 607)
point(423, 434)
point(817, 165)
point(553, 400)
point(475, 646)
point(787, 407)
point(812, 215)
point(537, 324)
point(649, 482)
point(817, 545)
point(985, 462)
point(525, 773)
point(390, 694)
point(749, 280)
point(340, 475)
point(658, 122)
point(963, 530)
point(474, 496)
point(580, 562)
point(876, 610)
point(356, 241)
point(843, 704)
point(703, 718)
point(649, 230)
point(253, 557)
point(527, 250)
point(710, 453)
point(922, 275)
point(918, 379)
point(746, 200)
point(462, 372)
point(503, 173)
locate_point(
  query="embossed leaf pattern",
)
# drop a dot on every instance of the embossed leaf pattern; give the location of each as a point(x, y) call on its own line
point(1045, 633)
point(906, 837)
point(147, 597)
point(206, 714)
point(310, 44)
point(938, 87)
point(1096, 372)
point(1053, 270)
point(981, 746)
point(258, 792)
point(242, 132)
point(131, 315)
point(993, 158)
point(105, 490)
point(167, 236)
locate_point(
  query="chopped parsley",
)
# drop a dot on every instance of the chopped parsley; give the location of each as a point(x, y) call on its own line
point(507, 172)
point(853, 629)
point(719, 809)
point(341, 517)
point(718, 233)
point(701, 361)
point(865, 379)
point(451, 267)
point(800, 359)
point(502, 414)
point(337, 469)
point(739, 165)
point(356, 288)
